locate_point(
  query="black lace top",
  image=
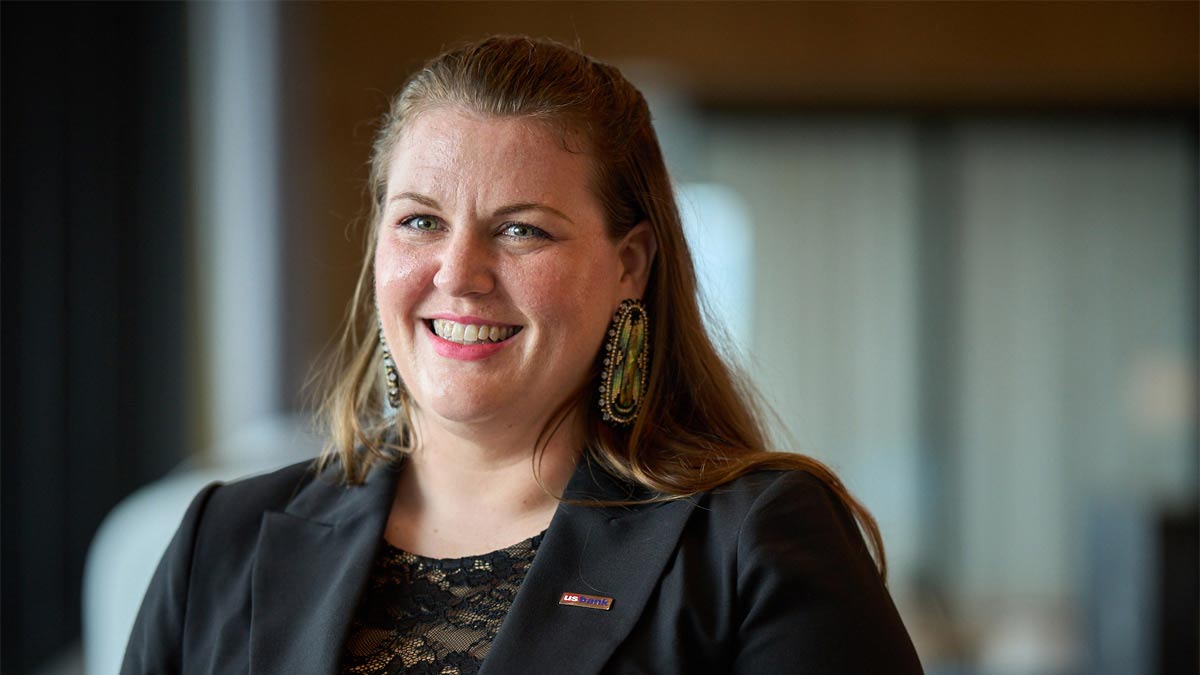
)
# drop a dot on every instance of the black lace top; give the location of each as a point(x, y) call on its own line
point(426, 616)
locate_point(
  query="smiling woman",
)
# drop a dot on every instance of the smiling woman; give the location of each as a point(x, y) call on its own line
point(537, 461)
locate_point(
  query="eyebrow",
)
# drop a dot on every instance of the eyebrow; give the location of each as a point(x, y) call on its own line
point(418, 198)
point(502, 211)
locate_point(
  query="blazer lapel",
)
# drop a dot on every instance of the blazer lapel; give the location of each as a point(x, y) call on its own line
point(311, 565)
point(617, 553)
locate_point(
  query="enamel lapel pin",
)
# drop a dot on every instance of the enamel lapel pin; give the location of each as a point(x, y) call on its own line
point(589, 601)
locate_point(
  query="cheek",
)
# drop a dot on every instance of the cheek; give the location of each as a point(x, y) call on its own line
point(577, 294)
point(396, 270)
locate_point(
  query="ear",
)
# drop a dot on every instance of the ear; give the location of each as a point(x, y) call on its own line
point(636, 251)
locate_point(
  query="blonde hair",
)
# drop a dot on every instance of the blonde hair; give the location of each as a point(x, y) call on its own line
point(700, 426)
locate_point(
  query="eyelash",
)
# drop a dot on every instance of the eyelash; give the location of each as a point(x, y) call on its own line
point(408, 222)
point(534, 231)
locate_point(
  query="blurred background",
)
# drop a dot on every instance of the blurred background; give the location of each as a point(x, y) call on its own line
point(955, 245)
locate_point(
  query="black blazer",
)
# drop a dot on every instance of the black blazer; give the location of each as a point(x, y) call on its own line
point(766, 575)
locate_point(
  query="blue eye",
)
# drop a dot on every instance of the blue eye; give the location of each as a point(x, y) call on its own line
point(423, 223)
point(523, 231)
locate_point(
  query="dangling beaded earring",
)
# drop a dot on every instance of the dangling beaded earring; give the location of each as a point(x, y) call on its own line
point(626, 364)
point(389, 372)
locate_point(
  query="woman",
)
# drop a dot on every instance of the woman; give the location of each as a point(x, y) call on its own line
point(538, 462)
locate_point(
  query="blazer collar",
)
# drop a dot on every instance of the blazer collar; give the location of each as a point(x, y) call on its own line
point(312, 563)
point(314, 558)
point(612, 552)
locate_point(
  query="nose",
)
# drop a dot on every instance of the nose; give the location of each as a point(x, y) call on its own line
point(465, 265)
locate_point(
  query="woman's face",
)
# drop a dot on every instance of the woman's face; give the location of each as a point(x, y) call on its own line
point(494, 272)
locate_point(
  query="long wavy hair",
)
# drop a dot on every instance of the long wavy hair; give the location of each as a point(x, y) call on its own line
point(701, 425)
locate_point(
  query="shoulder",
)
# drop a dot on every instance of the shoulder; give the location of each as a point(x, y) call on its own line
point(789, 503)
point(756, 506)
point(781, 520)
point(793, 524)
point(796, 503)
point(806, 587)
point(771, 574)
point(768, 528)
point(224, 517)
point(234, 511)
point(261, 492)
point(230, 502)
point(750, 490)
point(206, 562)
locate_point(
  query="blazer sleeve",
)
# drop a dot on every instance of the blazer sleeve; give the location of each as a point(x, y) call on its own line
point(156, 642)
point(809, 597)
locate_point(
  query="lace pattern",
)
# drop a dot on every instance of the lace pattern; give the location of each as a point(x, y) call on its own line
point(425, 616)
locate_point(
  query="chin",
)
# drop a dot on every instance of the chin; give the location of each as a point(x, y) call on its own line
point(460, 412)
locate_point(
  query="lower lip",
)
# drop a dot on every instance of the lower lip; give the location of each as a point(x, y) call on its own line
point(473, 352)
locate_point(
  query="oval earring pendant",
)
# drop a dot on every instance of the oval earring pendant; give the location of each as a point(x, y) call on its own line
point(391, 377)
point(626, 364)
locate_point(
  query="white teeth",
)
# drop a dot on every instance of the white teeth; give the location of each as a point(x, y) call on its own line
point(471, 334)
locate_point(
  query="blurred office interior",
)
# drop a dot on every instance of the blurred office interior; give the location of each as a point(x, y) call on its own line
point(956, 246)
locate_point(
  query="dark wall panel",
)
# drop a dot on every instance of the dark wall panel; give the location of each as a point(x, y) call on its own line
point(94, 232)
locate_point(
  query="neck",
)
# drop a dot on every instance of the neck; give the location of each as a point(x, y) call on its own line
point(462, 494)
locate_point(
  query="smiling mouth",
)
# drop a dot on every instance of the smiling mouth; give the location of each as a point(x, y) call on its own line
point(471, 334)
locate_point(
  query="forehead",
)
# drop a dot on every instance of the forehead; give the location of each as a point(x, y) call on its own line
point(453, 153)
